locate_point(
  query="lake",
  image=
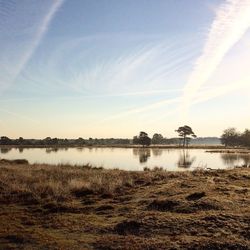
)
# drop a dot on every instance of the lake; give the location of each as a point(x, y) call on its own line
point(129, 158)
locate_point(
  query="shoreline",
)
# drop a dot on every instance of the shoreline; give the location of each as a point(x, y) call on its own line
point(230, 151)
point(127, 146)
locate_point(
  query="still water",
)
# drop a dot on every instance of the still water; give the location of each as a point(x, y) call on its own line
point(129, 158)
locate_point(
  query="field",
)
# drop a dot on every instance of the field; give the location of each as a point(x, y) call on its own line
point(72, 207)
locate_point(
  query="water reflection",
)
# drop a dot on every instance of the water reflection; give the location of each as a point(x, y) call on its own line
point(50, 150)
point(185, 160)
point(5, 150)
point(128, 158)
point(235, 159)
point(142, 153)
point(246, 159)
point(55, 150)
point(157, 151)
point(229, 159)
point(79, 149)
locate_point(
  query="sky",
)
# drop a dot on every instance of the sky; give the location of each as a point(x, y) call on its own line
point(90, 68)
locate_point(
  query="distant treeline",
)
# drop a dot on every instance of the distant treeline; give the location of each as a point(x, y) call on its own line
point(230, 137)
point(48, 141)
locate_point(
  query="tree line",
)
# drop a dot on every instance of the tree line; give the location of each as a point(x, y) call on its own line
point(48, 141)
point(185, 133)
point(231, 137)
point(143, 139)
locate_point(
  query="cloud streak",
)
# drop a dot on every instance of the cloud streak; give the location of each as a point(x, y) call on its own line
point(27, 23)
point(203, 96)
point(145, 67)
point(231, 22)
point(43, 28)
point(128, 94)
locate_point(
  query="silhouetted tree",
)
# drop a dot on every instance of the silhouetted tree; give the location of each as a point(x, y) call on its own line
point(230, 137)
point(80, 141)
point(157, 139)
point(135, 140)
point(245, 138)
point(142, 139)
point(4, 140)
point(47, 141)
point(20, 140)
point(184, 132)
point(54, 141)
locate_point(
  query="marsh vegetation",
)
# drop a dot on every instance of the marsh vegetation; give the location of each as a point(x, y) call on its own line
point(72, 207)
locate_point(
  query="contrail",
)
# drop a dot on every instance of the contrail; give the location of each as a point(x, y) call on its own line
point(14, 22)
point(128, 94)
point(8, 8)
point(43, 28)
point(205, 95)
point(230, 24)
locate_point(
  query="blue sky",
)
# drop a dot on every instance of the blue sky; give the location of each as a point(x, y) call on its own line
point(112, 68)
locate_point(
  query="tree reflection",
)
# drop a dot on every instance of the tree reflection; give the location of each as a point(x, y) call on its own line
point(49, 150)
point(142, 153)
point(229, 159)
point(80, 149)
point(233, 159)
point(246, 159)
point(157, 152)
point(185, 161)
point(20, 150)
point(5, 150)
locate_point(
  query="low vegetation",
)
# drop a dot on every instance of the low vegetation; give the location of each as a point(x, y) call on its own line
point(80, 207)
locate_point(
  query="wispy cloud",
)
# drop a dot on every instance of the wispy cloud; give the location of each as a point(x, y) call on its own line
point(231, 22)
point(127, 94)
point(144, 69)
point(22, 27)
point(42, 29)
point(202, 96)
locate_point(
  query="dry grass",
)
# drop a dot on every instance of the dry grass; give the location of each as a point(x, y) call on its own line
point(72, 207)
point(58, 183)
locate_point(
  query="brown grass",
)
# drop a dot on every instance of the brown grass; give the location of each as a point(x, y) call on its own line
point(72, 207)
point(58, 183)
